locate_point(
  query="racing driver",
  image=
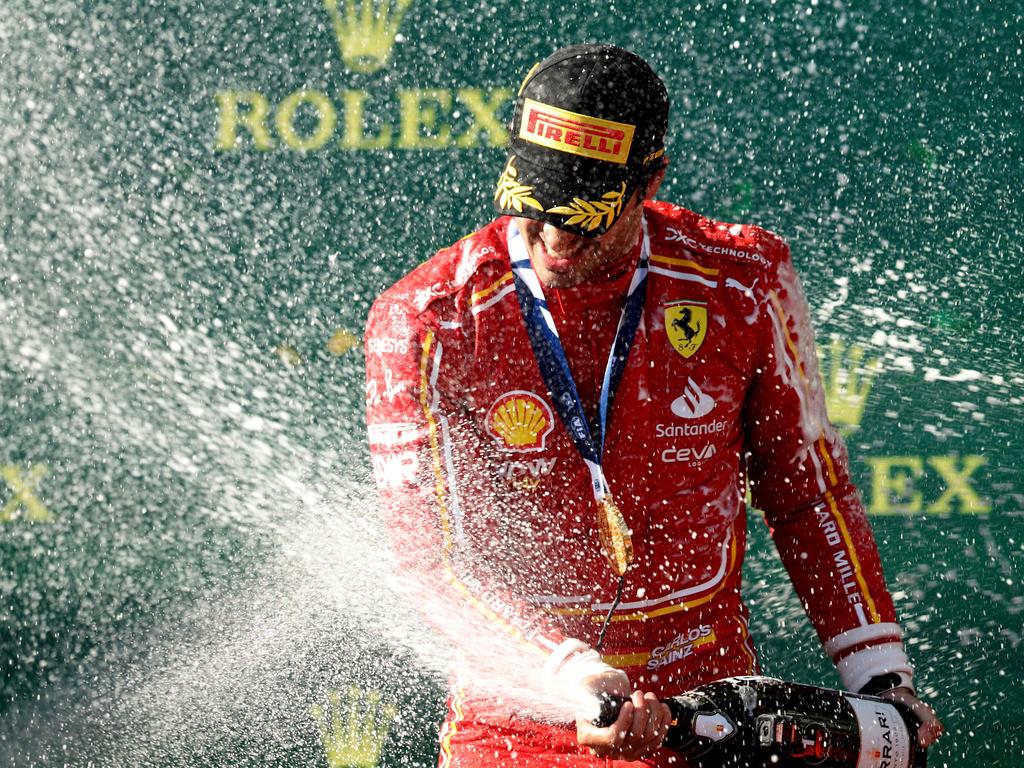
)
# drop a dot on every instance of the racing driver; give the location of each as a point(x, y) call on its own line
point(567, 408)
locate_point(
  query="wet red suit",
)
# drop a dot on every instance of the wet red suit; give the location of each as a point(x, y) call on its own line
point(487, 497)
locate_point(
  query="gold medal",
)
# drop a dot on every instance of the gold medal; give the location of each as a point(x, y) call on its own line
point(614, 533)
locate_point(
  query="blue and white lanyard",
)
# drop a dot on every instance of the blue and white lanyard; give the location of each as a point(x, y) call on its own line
point(553, 364)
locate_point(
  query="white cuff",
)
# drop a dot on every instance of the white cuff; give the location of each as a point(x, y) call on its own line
point(575, 674)
point(562, 653)
point(873, 634)
point(856, 669)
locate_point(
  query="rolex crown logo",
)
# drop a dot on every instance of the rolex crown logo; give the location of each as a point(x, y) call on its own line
point(848, 382)
point(366, 30)
point(353, 727)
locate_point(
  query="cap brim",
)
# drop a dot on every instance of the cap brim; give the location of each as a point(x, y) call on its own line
point(585, 200)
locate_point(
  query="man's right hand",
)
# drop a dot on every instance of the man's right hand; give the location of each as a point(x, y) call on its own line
point(931, 728)
point(638, 731)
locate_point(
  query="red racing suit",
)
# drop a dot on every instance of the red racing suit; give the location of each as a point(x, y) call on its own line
point(487, 499)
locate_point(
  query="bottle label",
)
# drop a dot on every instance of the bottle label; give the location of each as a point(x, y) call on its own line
point(885, 741)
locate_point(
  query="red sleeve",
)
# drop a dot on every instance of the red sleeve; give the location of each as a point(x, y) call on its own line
point(430, 468)
point(799, 475)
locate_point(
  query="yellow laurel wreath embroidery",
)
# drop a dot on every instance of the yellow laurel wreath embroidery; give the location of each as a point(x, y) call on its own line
point(588, 214)
point(511, 194)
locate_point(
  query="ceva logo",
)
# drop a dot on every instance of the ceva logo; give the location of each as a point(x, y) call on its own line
point(309, 119)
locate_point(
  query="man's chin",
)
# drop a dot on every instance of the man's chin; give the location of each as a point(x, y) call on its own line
point(551, 279)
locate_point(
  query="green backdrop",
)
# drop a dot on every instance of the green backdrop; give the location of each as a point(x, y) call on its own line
point(200, 200)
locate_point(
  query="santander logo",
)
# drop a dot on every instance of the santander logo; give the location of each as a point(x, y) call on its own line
point(693, 403)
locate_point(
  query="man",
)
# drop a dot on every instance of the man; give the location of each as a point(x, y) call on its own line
point(567, 407)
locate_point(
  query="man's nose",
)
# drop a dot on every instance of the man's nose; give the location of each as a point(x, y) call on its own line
point(558, 239)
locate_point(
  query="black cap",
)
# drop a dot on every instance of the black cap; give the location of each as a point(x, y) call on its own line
point(588, 129)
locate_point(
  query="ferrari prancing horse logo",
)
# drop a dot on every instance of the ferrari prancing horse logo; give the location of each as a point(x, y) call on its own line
point(686, 323)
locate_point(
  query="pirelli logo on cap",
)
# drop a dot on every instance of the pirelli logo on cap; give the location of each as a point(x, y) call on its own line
point(574, 133)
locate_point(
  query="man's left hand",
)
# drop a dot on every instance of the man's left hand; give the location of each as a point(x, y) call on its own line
point(931, 727)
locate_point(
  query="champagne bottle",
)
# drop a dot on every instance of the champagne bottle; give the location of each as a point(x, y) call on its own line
point(761, 722)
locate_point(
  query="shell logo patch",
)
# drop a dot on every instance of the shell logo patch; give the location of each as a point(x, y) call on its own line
point(686, 323)
point(520, 421)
